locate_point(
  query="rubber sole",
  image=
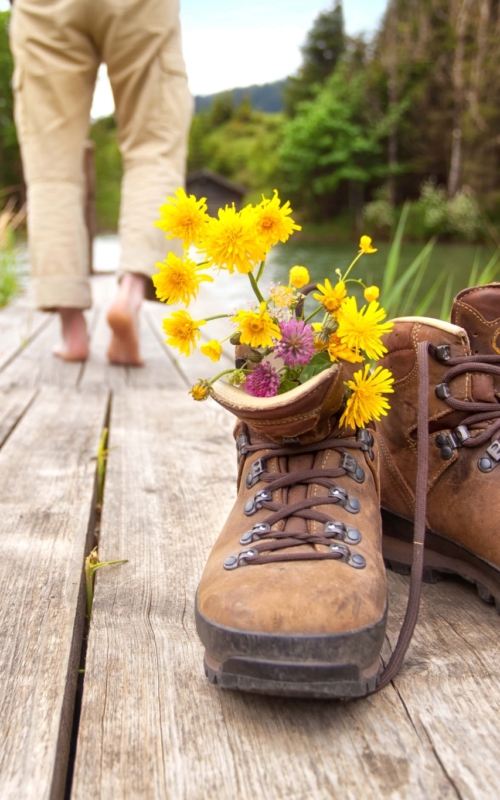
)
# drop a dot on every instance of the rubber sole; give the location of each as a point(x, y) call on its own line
point(339, 666)
point(442, 556)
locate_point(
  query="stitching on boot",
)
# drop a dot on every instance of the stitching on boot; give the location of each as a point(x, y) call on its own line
point(400, 483)
point(286, 420)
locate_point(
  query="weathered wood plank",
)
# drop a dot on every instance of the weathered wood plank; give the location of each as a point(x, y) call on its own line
point(12, 406)
point(151, 725)
point(47, 479)
point(19, 324)
point(35, 365)
point(450, 684)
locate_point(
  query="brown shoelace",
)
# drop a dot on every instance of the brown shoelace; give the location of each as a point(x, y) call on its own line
point(266, 544)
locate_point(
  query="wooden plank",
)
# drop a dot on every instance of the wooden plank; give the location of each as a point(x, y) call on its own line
point(151, 725)
point(47, 480)
point(35, 365)
point(157, 371)
point(450, 685)
point(19, 324)
point(12, 407)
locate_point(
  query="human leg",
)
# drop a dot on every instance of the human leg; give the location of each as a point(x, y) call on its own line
point(55, 69)
point(142, 48)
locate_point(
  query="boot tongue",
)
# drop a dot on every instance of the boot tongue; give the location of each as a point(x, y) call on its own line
point(304, 415)
point(477, 310)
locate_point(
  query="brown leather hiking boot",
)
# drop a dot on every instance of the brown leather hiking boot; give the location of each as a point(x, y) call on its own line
point(463, 447)
point(292, 600)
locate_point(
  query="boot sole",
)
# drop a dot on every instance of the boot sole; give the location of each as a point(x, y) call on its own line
point(339, 666)
point(441, 556)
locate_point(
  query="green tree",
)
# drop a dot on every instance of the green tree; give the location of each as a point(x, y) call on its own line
point(334, 148)
point(10, 159)
point(321, 52)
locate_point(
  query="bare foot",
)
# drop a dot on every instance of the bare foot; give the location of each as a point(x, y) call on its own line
point(123, 319)
point(75, 339)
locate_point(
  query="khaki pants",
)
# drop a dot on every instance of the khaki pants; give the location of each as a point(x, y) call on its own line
point(58, 46)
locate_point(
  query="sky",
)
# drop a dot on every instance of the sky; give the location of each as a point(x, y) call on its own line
point(228, 43)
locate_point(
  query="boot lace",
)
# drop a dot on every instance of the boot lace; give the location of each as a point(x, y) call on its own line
point(272, 545)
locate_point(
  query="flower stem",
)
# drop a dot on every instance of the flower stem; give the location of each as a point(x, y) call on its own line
point(352, 264)
point(217, 316)
point(219, 375)
point(261, 270)
point(313, 314)
point(257, 292)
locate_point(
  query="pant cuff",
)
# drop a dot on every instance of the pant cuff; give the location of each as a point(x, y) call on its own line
point(61, 291)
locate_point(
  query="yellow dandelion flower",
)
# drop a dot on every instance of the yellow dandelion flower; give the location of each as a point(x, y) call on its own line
point(257, 328)
point(231, 240)
point(282, 296)
point(212, 349)
point(372, 293)
point(299, 277)
point(331, 297)
point(200, 391)
point(182, 331)
point(366, 402)
point(272, 222)
point(362, 330)
point(338, 351)
point(178, 280)
point(184, 218)
point(365, 245)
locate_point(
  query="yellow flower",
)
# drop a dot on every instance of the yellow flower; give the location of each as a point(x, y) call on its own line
point(178, 280)
point(338, 351)
point(361, 330)
point(182, 331)
point(372, 293)
point(272, 222)
point(257, 328)
point(282, 296)
point(231, 240)
point(184, 218)
point(200, 390)
point(365, 245)
point(212, 349)
point(299, 277)
point(366, 402)
point(331, 297)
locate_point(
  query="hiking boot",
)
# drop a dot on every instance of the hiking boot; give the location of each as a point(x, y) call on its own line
point(461, 432)
point(292, 600)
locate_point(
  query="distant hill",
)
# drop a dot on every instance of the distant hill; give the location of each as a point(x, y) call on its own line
point(268, 97)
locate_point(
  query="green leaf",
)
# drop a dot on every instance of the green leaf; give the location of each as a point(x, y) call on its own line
point(320, 358)
point(312, 370)
point(286, 386)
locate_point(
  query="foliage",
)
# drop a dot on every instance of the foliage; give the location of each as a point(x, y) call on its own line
point(401, 287)
point(10, 163)
point(378, 215)
point(108, 165)
point(243, 148)
point(321, 52)
point(9, 278)
point(267, 97)
point(335, 140)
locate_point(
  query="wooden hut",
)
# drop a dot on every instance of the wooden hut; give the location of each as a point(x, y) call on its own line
point(218, 190)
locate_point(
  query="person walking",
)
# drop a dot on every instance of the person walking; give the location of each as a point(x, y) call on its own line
point(57, 47)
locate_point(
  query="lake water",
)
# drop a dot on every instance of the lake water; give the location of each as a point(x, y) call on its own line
point(322, 259)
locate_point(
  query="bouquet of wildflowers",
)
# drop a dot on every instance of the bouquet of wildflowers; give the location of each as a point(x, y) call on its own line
point(284, 347)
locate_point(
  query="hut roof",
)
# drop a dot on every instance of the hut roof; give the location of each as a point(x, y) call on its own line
point(207, 174)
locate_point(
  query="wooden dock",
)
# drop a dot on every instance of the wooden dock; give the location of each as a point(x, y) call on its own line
point(146, 723)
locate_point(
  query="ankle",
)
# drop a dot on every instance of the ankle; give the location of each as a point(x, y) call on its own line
point(132, 289)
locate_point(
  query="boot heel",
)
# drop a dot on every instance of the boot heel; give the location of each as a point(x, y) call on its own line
point(397, 545)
